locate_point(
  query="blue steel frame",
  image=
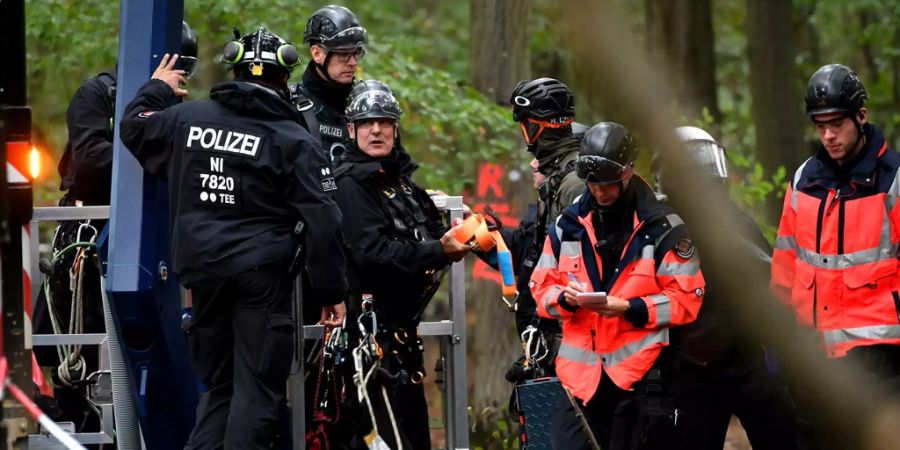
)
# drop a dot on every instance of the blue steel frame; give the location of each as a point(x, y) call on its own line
point(146, 304)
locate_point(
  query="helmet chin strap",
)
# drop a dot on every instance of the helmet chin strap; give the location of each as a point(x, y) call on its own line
point(860, 133)
point(323, 70)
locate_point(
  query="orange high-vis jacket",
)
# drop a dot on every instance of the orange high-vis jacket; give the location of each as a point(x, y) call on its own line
point(659, 274)
point(835, 259)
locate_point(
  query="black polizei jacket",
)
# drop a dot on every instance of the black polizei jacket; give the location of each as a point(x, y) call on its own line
point(86, 165)
point(392, 229)
point(329, 102)
point(242, 172)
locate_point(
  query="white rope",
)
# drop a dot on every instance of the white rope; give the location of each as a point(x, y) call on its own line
point(72, 367)
point(368, 349)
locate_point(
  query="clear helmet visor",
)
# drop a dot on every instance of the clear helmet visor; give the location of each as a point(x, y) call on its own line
point(711, 158)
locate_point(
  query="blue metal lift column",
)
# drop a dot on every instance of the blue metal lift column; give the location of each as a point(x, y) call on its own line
point(145, 299)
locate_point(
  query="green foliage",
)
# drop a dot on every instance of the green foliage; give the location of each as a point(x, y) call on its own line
point(493, 429)
point(447, 125)
point(422, 55)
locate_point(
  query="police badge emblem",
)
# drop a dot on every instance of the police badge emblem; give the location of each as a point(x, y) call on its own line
point(685, 248)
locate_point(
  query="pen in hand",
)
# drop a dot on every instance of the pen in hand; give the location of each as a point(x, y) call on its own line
point(572, 277)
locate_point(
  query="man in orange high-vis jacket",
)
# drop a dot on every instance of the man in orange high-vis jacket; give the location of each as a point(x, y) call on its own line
point(617, 239)
point(835, 259)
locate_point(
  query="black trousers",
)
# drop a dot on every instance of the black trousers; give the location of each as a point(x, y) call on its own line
point(567, 429)
point(241, 341)
point(745, 388)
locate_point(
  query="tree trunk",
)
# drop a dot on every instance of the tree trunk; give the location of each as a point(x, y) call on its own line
point(498, 46)
point(777, 101)
point(680, 36)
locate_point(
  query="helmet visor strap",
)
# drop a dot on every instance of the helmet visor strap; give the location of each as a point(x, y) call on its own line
point(598, 170)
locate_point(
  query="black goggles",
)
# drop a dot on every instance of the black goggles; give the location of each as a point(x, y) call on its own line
point(598, 170)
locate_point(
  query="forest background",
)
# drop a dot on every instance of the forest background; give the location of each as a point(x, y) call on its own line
point(735, 67)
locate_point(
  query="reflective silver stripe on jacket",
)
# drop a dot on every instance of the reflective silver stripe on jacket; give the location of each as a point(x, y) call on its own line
point(873, 332)
point(612, 359)
point(690, 267)
point(663, 309)
point(548, 299)
point(884, 251)
point(570, 249)
point(547, 261)
point(797, 176)
point(628, 350)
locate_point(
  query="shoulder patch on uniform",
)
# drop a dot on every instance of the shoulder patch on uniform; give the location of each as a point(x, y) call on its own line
point(326, 178)
point(685, 248)
point(146, 114)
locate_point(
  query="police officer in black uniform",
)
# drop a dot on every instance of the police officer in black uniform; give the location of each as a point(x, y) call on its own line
point(337, 42)
point(86, 172)
point(719, 374)
point(397, 245)
point(243, 174)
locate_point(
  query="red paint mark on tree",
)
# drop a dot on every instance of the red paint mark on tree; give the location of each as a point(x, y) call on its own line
point(490, 177)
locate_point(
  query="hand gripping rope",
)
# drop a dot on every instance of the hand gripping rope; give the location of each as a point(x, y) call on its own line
point(369, 353)
point(484, 237)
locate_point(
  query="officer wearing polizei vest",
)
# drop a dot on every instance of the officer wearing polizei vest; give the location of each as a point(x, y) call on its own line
point(719, 374)
point(337, 42)
point(86, 173)
point(398, 248)
point(619, 240)
point(835, 259)
point(243, 173)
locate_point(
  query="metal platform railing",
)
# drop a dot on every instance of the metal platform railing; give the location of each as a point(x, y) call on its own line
point(452, 334)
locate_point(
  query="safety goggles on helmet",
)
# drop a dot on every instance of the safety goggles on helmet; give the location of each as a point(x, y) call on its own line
point(188, 64)
point(711, 158)
point(349, 39)
point(532, 128)
point(598, 170)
